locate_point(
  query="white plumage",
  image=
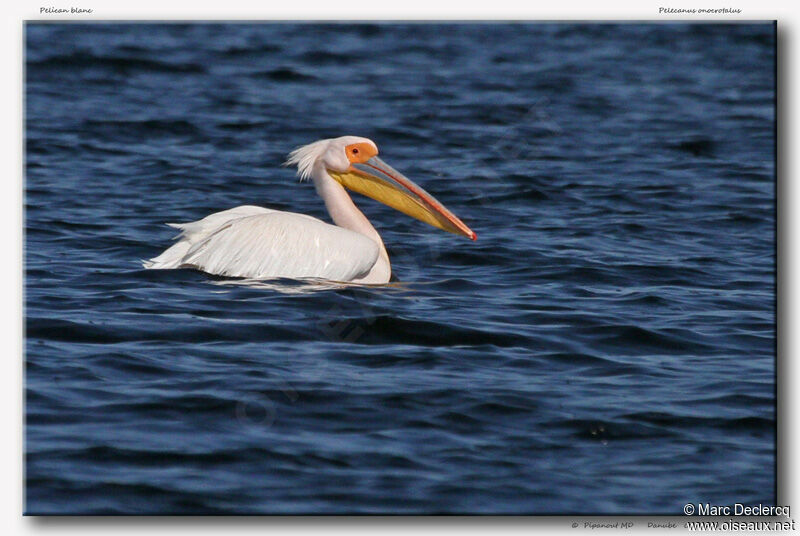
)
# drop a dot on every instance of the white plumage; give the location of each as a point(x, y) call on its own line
point(259, 243)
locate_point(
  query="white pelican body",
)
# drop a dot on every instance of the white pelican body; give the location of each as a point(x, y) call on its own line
point(260, 243)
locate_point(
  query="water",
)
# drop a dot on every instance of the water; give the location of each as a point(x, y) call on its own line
point(606, 345)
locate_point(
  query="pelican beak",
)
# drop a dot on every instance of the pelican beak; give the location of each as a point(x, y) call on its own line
point(378, 180)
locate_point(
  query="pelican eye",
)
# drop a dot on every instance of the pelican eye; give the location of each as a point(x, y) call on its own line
point(355, 151)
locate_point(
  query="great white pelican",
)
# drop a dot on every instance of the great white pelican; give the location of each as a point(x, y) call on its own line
point(260, 243)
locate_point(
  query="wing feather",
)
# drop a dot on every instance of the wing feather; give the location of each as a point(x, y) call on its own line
point(259, 243)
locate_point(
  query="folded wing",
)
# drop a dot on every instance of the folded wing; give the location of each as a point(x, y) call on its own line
point(259, 243)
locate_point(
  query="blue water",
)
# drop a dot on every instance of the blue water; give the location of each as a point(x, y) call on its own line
point(607, 345)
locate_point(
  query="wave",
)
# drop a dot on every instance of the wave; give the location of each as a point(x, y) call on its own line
point(122, 65)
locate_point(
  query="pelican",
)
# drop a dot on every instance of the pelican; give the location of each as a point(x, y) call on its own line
point(260, 243)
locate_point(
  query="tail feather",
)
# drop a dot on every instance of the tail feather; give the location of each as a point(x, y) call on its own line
point(196, 231)
point(171, 258)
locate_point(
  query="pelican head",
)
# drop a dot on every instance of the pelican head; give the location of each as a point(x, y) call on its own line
point(353, 162)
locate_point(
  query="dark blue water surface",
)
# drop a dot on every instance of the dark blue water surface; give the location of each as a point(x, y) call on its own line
point(606, 345)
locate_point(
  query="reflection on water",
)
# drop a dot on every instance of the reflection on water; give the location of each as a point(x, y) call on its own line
point(303, 286)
